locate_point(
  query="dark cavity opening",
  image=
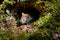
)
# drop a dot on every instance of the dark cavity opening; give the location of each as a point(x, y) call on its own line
point(31, 11)
point(1, 1)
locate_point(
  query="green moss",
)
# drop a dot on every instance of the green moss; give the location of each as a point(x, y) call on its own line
point(46, 25)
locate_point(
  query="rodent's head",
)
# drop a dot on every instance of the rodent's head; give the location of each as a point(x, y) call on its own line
point(25, 18)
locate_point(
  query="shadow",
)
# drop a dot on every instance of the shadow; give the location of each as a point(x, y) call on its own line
point(31, 11)
point(1, 1)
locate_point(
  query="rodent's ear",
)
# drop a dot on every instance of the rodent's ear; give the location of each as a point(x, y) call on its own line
point(23, 13)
